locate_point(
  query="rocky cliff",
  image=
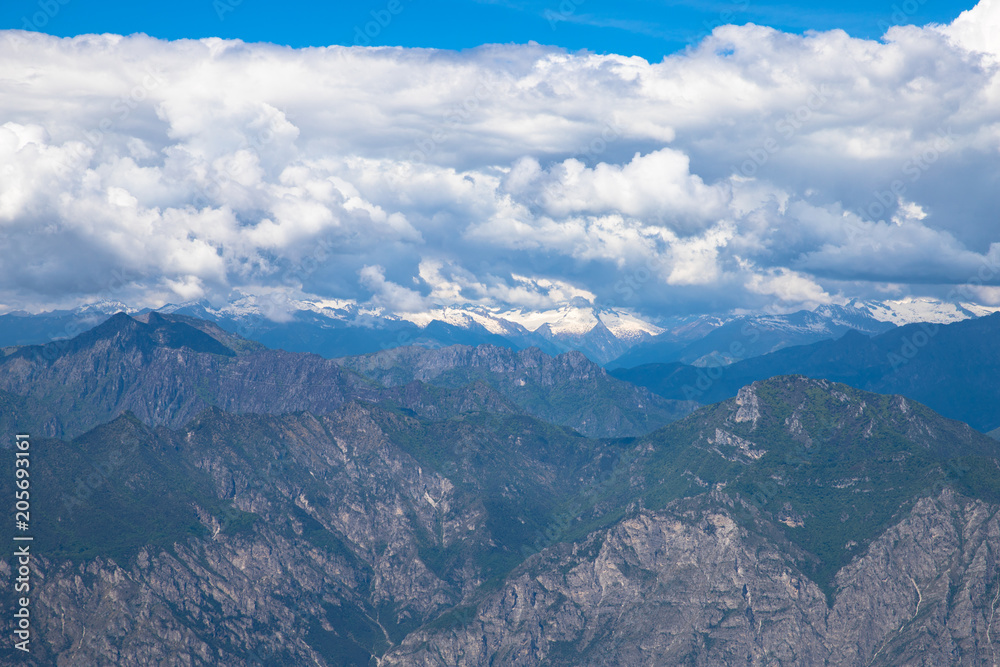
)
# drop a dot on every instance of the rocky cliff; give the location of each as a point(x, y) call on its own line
point(693, 585)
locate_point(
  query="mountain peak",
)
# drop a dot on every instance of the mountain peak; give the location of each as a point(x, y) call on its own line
point(143, 333)
point(832, 463)
point(853, 422)
point(121, 326)
point(119, 321)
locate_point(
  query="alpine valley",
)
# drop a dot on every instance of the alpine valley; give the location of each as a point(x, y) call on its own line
point(200, 498)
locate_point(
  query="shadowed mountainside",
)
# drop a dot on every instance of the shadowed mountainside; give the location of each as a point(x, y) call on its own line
point(165, 369)
point(953, 368)
point(568, 389)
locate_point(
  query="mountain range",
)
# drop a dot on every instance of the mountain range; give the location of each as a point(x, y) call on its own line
point(953, 368)
point(201, 499)
point(166, 369)
point(614, 337)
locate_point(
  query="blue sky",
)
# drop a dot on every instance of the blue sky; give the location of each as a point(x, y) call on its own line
point(648, 28)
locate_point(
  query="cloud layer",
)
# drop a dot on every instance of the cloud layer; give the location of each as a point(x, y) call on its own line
point(757, 170)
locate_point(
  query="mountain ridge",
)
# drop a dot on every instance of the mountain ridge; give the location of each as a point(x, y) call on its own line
point(168, 368)
point(608, 335)
point(953, 368)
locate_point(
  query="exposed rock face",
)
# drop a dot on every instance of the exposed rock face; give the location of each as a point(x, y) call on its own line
point(342, 521)
point(749, 408)
point(337, 542)
point(689, 585)
point(237, 603)
point(686, 585)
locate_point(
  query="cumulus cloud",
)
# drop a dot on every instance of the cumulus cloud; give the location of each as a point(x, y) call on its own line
point(788, 287)
point(756, 170)
point(389, 295)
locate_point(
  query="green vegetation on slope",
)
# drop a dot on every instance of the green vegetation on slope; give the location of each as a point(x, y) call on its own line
point(114, 490)
point(832, 465)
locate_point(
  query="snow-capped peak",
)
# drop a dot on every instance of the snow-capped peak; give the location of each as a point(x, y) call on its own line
point(568, 320)
point(627, 326)
point(107, 307)
point(910, 310)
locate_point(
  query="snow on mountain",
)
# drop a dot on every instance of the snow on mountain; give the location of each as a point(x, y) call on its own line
point(603, 334)
point(980, 311)
point(572, 320)
point(627, 326)
point(467, 317)
point(568, 320)
point(911, 310)
point(278, 310)
point(578, 325)
point(327, 306)
point(106, 307)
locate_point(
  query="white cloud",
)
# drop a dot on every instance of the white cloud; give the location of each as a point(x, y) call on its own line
point(975, 29)
point(759, 169)
point(695, 261)
point(389, 295)
point(657, 185)
point(792, 288)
